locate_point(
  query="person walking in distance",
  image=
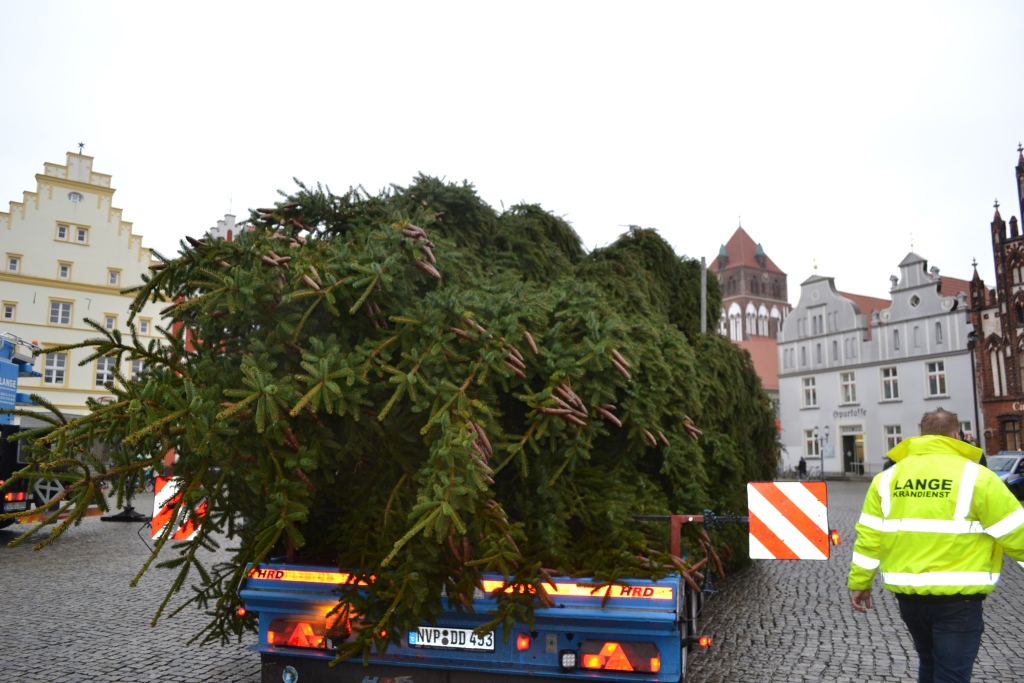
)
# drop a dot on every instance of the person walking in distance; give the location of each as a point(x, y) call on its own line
point(801, 468)
point(936, 525)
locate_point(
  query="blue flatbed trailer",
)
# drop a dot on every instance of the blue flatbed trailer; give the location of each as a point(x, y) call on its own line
point(640, 631)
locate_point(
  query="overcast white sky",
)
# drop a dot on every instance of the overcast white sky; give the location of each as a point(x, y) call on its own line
point(841, 134)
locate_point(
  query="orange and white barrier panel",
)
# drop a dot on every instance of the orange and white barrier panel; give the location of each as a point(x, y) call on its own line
point(788, 520)
point(165, 498)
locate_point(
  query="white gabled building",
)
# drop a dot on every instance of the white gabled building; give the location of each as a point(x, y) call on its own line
point(857, 373)
point(67, 254)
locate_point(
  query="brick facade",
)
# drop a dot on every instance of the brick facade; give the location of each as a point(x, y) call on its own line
point(997, 340)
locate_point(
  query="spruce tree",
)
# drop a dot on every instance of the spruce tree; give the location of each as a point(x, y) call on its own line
point(417, 387)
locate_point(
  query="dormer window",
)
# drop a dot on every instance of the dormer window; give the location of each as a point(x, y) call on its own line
point(915, 301)
point(75, 197)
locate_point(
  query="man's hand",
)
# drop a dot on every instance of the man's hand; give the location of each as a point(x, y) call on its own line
point(861, 600)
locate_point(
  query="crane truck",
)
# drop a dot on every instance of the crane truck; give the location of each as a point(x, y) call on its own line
point(15, 362)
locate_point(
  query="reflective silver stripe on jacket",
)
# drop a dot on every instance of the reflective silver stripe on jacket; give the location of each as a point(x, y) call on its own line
point(940, 579)
point(872, 522)
point(864, 561)
point(883, 490)
point(1007, 524)
point(963, 498)
point(939, 526)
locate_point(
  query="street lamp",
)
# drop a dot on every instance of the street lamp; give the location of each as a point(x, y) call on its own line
point(972, 341)
point(821, 442)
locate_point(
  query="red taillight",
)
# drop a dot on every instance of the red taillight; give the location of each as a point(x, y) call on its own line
point(309, 634)
point(12, 496)
point(834, 536)
point(704, 641)
point(606, 655)
point(522, 641)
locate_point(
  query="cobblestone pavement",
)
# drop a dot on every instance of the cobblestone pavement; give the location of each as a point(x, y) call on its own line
point(789, 621)
point(68, 615)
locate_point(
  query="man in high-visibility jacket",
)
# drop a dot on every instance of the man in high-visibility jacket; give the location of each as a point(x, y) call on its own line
point(936, 525)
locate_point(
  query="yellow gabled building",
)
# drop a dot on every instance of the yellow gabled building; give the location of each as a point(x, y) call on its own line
point(67, 254)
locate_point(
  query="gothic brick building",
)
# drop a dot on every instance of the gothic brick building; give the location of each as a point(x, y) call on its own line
point(997, 340)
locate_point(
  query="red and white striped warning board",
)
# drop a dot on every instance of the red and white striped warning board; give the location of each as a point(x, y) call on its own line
point(165, 497)
point(788, 520)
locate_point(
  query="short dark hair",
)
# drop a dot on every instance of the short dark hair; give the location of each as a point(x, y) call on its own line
point(941, 422)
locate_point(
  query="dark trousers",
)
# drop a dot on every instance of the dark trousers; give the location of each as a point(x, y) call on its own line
point(946, 636)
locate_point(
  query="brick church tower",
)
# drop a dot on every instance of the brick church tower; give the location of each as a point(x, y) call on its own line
point(997, 340)
point(754, 305)
point(754, 296)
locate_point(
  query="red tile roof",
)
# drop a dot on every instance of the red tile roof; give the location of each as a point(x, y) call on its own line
point(741, 250)
point(866, 305)
point(951, 286)
point(765, 355)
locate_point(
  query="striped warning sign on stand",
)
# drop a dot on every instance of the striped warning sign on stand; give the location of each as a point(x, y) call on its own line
point(788, 520)
point(165, 497)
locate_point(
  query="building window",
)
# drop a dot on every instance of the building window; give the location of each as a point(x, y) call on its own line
point(64, 271)
point(835, 350)
point(995, 359)
point(893, 435)
point(811, 445)
point(82, 235)
point(54, 369)
point(63, 232)
point(104, 371)
point(10, 311)
point(810, 393)
point(890, 384)
point(144, 326)
point(917, 336)
point(938, 333)
point(13, 263)
point(848, 387)
point(113, 278)
point(896, 340)
point(60, 313)
point(936, 374)
point(110, 323)
point(817, 353)
point(137, 367)
point(803, 356)
point(1011, 430)
point(75, 197)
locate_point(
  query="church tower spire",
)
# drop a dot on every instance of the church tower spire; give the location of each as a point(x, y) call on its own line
point(1020, 179)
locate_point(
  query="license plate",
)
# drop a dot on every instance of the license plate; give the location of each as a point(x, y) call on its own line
point(14, 507)
point(451, 639)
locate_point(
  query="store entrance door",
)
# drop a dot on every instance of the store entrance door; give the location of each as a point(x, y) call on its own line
point(853, 453)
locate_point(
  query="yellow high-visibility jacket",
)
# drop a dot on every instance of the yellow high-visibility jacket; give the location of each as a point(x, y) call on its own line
point(936, 522)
